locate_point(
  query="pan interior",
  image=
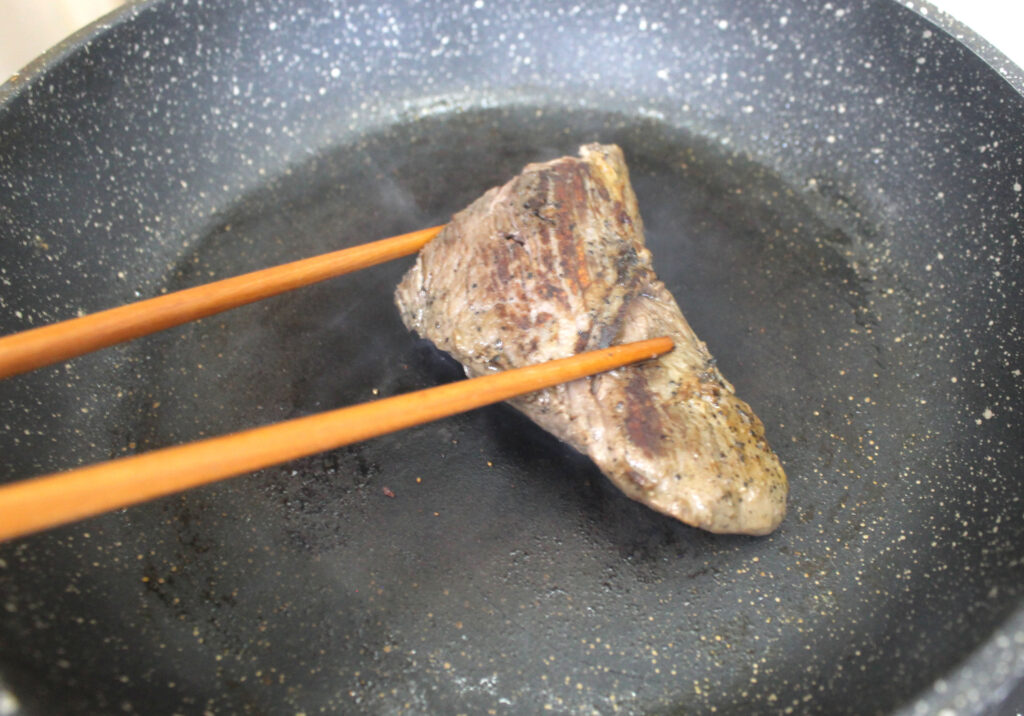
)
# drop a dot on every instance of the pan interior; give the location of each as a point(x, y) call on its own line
point(506, 573)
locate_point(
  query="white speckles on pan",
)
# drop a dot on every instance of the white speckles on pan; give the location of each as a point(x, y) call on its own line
point(832, 191)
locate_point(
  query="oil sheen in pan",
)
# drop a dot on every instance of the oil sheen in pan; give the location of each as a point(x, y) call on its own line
point(506, 570)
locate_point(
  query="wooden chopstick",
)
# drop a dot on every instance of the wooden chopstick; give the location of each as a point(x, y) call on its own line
point(59, 498)
point(37, 347)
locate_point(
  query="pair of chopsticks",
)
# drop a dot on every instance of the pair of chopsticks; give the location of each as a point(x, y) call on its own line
point(51, 500)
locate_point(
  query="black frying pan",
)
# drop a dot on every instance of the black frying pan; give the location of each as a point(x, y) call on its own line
point(832, 192)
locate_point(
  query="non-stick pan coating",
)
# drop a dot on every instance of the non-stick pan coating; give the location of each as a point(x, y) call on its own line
point(833, 194)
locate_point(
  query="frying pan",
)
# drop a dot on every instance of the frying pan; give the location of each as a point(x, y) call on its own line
point(831, 191)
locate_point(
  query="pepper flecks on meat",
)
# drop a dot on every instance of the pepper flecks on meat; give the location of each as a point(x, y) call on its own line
point(554, 263)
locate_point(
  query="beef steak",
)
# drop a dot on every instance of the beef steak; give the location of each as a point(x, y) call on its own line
point(553, 263)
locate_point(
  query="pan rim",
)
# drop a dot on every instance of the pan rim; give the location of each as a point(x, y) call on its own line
point(988, 53)
point(39, 67)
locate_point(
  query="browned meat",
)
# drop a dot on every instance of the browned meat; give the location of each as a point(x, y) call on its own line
point(554, 263)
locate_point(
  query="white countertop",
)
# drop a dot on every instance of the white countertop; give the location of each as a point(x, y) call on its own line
point(1001, 22)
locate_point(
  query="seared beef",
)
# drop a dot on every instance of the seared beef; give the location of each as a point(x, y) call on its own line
point(554, 263)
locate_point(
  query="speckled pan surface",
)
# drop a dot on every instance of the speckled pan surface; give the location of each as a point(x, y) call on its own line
point(832, 191)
